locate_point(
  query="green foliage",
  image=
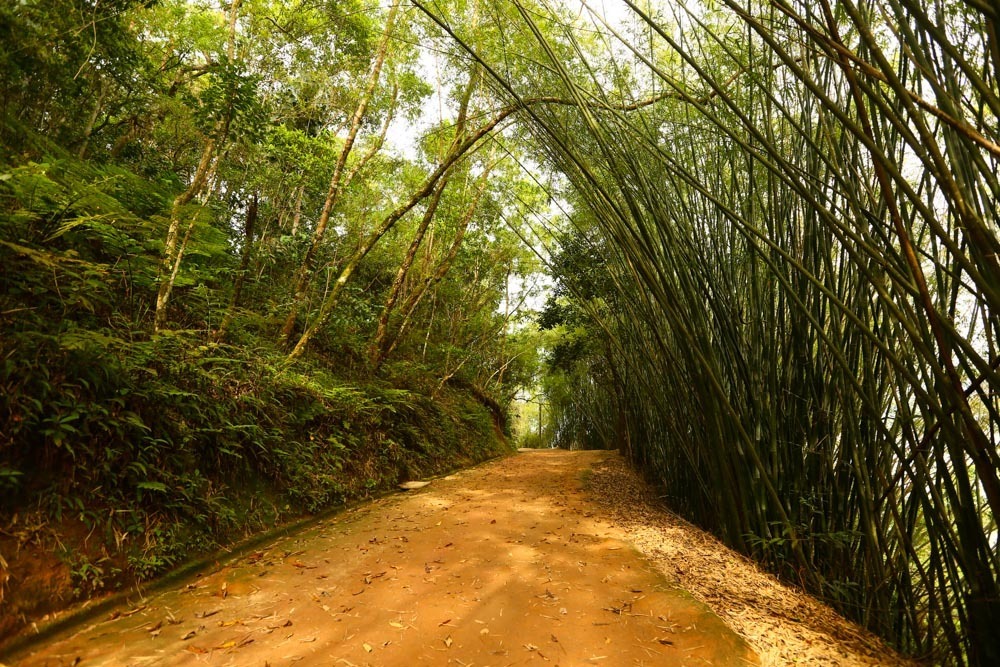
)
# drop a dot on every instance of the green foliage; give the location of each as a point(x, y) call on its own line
point(189, 145)
point(779, 297)
point(89, 576)
point(47, 70)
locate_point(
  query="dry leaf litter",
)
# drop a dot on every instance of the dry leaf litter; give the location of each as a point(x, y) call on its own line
point(784, 625)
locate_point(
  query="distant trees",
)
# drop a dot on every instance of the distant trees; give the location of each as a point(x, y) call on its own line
point(268, 120)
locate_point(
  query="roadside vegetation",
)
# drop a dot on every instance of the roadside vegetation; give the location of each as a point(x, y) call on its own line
point(227, 294)
point(227, 298)
point(779, 292)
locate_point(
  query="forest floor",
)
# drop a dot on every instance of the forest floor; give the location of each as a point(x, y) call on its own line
point(548, 557)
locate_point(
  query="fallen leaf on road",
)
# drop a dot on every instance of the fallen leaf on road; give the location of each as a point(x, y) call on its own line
point(188, 635)
point(447, 641)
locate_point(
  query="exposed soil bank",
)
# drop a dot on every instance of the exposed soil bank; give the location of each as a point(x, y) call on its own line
point(52, 562)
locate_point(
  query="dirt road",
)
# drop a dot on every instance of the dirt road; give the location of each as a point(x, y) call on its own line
point(507, 564)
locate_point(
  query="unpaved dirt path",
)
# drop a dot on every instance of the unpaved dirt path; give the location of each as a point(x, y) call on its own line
point(507, 564)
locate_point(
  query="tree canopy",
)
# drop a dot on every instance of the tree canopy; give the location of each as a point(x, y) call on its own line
point(771, 227)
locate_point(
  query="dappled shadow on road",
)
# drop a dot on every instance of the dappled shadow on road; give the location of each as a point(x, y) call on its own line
point(506, 564)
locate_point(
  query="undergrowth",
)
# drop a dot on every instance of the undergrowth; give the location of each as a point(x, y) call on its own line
point(124, 453)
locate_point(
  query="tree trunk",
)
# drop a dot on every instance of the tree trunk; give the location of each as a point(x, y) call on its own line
point(172, 250)
point(92, 120)
point(297, 212)
point(304, 274)
point(241, 275)
point(503, 332)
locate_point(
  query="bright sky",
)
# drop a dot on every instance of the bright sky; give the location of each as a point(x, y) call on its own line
point(404, 133)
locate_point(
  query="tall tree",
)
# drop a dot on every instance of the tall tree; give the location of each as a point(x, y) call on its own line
point(337, 181)
point(213, 144)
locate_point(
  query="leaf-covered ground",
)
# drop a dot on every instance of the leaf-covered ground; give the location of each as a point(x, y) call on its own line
point(524, 560)
point(784, 625)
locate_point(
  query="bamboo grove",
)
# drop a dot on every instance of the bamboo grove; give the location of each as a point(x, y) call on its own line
point(791, 208)
point(780, 270)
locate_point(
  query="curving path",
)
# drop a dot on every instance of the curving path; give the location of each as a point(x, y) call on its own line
point(509, 563)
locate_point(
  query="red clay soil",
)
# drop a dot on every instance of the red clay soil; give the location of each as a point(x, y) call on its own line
point(512, 563)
